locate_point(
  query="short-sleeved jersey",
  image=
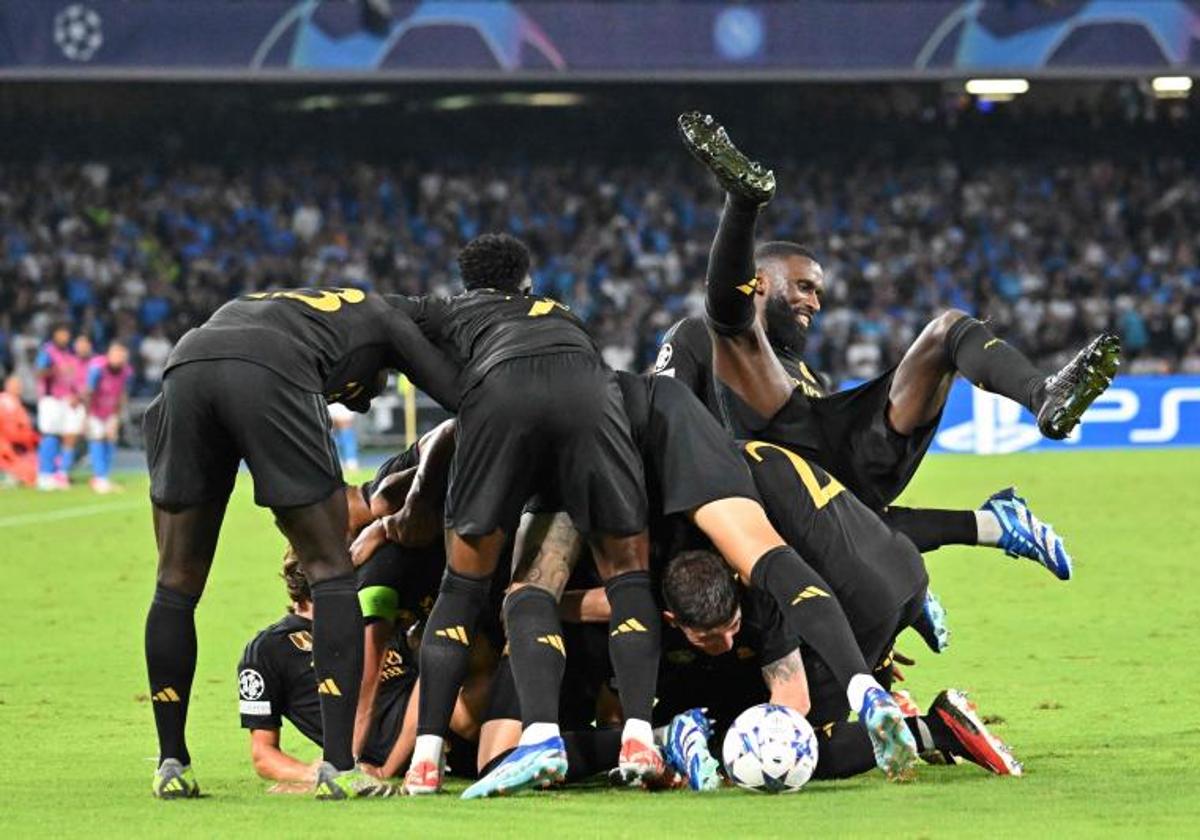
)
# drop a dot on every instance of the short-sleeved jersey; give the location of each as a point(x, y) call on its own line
point(873, 570)
point(106, 386)
point(326, 341)
point(483, 327)
point(276, 679)
point(63, 371)
point(729, 683)
point(686, 354)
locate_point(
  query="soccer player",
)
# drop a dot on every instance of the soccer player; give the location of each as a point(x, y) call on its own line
point(872, 437)
point(727, 648)
point(541, 414)
point(694, 475)
point(252, 383)
point(58, 405)
point(105, 398)
point(276, 680)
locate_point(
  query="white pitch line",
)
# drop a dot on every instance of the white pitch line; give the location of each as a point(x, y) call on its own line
point(68, 513)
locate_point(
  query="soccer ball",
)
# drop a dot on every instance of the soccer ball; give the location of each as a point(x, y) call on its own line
point(770, 748)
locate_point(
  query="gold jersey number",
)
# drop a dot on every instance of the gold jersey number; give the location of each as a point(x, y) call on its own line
point(323, 300)
point(821, 496)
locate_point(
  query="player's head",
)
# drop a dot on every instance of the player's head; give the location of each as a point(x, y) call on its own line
point(60, 334)
point(793, 282)
point(293, 578)
point(12, 385)
point(703, 601)
point(117, 355)
point(82, 346)
point(495, 261)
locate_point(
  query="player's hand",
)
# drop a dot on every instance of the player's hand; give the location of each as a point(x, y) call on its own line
point(415, 525)
point(368, 541)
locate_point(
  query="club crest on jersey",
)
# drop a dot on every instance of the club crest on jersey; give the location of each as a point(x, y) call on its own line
point(250, 684)
point(664, 357)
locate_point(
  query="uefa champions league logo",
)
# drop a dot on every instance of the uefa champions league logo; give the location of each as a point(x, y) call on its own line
point(78, 32)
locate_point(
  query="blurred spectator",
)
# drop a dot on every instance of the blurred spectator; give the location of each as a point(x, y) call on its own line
point(153, 351)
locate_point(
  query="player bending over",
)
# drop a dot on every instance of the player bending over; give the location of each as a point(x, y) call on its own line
point(540, 414)
point(252, 384)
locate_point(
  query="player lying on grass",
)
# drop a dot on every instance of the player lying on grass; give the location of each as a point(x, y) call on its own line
point(277, 680)
point(726, 649)
point(252, 384)
point(872, 437)
point(541, 414)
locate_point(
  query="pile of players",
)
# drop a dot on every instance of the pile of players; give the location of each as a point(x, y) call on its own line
point(713, 535)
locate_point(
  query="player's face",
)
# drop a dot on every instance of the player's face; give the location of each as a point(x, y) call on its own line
point(717, 640)
point(117, 356)
point(61, 337)
point(795, 285)
point(83, 346)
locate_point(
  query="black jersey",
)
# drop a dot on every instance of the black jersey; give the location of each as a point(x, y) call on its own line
point(334, 342)
point(686, 354)
point(484, 327)
point(276, 680)
point(872, 569)
point(400, 584)
point(727, 684)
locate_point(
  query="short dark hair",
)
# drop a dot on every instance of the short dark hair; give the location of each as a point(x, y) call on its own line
point(494, 261)
point(699, 588)
point(294, 579)
point(780, 249)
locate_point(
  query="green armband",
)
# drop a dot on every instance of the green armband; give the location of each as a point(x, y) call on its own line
point(380, 602)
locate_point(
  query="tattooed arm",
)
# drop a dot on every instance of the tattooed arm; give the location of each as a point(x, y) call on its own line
point(787, 682)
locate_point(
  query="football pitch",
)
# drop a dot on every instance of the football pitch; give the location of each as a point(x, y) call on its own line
point(1090, 682)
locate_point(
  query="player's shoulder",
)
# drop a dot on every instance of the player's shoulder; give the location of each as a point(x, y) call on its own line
point(290, 632)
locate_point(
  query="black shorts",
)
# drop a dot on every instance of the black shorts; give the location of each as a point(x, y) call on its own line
point(554, 426)
point(848, 434)
point(215, 412)
point(690, 459)
point(829, 703)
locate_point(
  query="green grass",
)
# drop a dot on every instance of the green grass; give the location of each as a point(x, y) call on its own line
point(1092, 680)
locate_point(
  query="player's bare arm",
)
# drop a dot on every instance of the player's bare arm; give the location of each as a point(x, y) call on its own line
point(787, 682)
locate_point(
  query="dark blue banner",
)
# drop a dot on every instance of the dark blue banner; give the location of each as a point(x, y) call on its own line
point(1136, 412)
point(589, 39)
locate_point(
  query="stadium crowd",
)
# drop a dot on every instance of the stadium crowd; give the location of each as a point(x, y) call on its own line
point(1051, 250)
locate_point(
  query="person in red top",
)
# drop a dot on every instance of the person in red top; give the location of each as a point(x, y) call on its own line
point(18, 440)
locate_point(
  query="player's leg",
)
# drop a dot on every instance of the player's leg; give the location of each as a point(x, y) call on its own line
point(741, 532)
point(1057, 400)
point(445, 649)
point(742, 357)
point(187, 540)
point(49, 420)
point(546, 549)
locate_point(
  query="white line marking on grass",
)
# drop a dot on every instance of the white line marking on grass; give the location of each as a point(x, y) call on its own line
point(68, 513)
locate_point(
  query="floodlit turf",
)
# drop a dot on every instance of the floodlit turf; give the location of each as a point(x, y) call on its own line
point(1090, 678)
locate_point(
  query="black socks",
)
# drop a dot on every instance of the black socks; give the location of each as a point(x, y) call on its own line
point(338, 662)
point(843, 750)
point(994, 365)
point(810, 610)
point(445, 648)
point(635, 633)
point(536, 652)
point(171, 664)
point(930, 529)
point(729, 296)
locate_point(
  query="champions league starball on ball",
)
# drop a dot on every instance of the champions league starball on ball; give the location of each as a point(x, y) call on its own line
point(770, 748)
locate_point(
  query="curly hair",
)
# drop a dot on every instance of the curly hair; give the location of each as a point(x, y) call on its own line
point(494, 261)
point(294, 579)
point(699, 588)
